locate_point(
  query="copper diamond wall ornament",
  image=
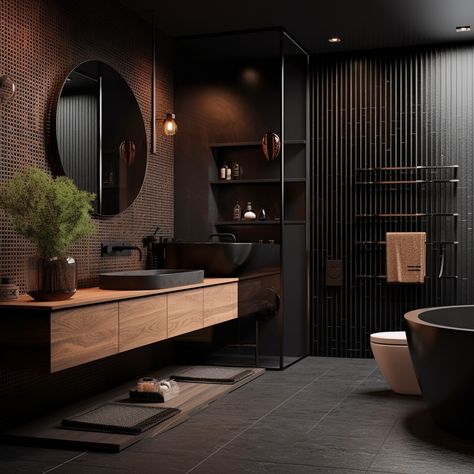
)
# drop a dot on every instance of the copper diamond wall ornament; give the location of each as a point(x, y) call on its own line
point(271, 145)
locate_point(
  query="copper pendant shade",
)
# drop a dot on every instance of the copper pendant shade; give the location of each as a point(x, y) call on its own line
point(271, 145)
point(127, 151)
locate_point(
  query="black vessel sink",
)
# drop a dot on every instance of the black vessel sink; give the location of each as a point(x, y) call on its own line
point(149, 279)
point(222, 259)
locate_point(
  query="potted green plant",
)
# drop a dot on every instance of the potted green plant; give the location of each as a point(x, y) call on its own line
point(53, 213)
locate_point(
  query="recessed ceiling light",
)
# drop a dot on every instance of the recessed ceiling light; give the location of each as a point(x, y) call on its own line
point(462, 29)
point(335, 39)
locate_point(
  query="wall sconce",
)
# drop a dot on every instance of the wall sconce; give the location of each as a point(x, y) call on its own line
point(170, 127)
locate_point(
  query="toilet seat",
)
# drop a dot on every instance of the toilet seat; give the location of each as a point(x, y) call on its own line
point(396, 338)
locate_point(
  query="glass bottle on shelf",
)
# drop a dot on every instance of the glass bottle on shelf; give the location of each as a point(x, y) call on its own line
point(223, 171)
point(235, 170)
point(237, 214)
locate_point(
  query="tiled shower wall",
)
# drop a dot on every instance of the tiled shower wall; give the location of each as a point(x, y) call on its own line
point(41, 41)
point(385, 109)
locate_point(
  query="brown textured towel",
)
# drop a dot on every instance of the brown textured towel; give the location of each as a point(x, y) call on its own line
point(406, 257)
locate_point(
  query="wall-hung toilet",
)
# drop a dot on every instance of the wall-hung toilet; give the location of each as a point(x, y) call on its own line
point(392, 355)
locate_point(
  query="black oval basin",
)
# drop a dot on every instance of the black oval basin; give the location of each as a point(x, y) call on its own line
point(149, 279)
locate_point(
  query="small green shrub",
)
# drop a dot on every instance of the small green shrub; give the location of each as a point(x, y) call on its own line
point(53, 213)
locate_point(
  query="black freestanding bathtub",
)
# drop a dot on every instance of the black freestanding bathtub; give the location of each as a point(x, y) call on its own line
point(441, 343)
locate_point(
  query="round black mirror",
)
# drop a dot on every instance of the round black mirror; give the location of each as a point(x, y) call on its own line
point(100, 136)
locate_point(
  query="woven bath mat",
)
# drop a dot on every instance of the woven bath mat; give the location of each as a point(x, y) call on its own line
point(206, 374)
point(119, 418)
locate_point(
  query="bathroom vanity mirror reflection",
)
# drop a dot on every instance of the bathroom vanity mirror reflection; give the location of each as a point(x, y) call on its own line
point(100, 136)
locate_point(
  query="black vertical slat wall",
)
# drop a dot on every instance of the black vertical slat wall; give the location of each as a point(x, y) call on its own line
point(77, 127)
point(377, 110)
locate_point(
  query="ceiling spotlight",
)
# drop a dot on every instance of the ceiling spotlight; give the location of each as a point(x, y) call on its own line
point(463, 29)
point(335, 39)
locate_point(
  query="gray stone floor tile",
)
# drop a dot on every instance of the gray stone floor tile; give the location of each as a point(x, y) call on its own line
point(316, 450)
point(73, 468)
point(330, 427)
point(23, 459)
point(221, 464)
point(144, 459)
point(322, 415)
point(335, 451)
point(423, 448)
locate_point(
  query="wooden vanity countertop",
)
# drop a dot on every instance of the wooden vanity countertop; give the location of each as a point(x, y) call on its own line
point(88, 296)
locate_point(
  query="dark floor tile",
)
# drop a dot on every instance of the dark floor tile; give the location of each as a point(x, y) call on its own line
point(322, 415)
point(137, 459)
point(423, 449)
point(250, 411)
point(22, 459)
point(298, 409)
point(330, 427)
point(345, 452)
point(316, 450)
point(422, 462)
point(219, 464)
point(289, 423)
point(292, 378)
point(332, 386)
point(201, 435)
point(74, 468)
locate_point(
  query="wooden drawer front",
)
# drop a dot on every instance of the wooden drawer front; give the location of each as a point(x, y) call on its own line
point(142, 321)
point(185, 312)
point(83, 334)
point(220, 303)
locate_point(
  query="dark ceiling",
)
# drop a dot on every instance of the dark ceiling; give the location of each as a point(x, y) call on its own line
point(362, 24)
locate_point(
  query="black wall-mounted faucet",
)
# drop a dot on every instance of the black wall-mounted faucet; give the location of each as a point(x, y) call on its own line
point(119, 250)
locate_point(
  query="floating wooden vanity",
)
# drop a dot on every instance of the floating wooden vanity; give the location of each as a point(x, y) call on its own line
point(97, 323)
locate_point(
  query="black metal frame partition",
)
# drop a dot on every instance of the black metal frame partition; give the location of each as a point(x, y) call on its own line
point(294, 186)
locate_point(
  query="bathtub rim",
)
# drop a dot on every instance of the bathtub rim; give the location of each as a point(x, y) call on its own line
point(414, 317)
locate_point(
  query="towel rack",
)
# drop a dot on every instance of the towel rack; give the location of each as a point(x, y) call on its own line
point(416, 181)
point(411, 214)
point(384, 277)
point(389, 198)
point(409, 168)
point(433, 242)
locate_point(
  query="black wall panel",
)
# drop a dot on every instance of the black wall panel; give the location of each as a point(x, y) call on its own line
point(376, 110)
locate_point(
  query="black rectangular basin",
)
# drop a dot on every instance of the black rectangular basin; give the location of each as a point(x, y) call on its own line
point(149, 279)
point(221, 259)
